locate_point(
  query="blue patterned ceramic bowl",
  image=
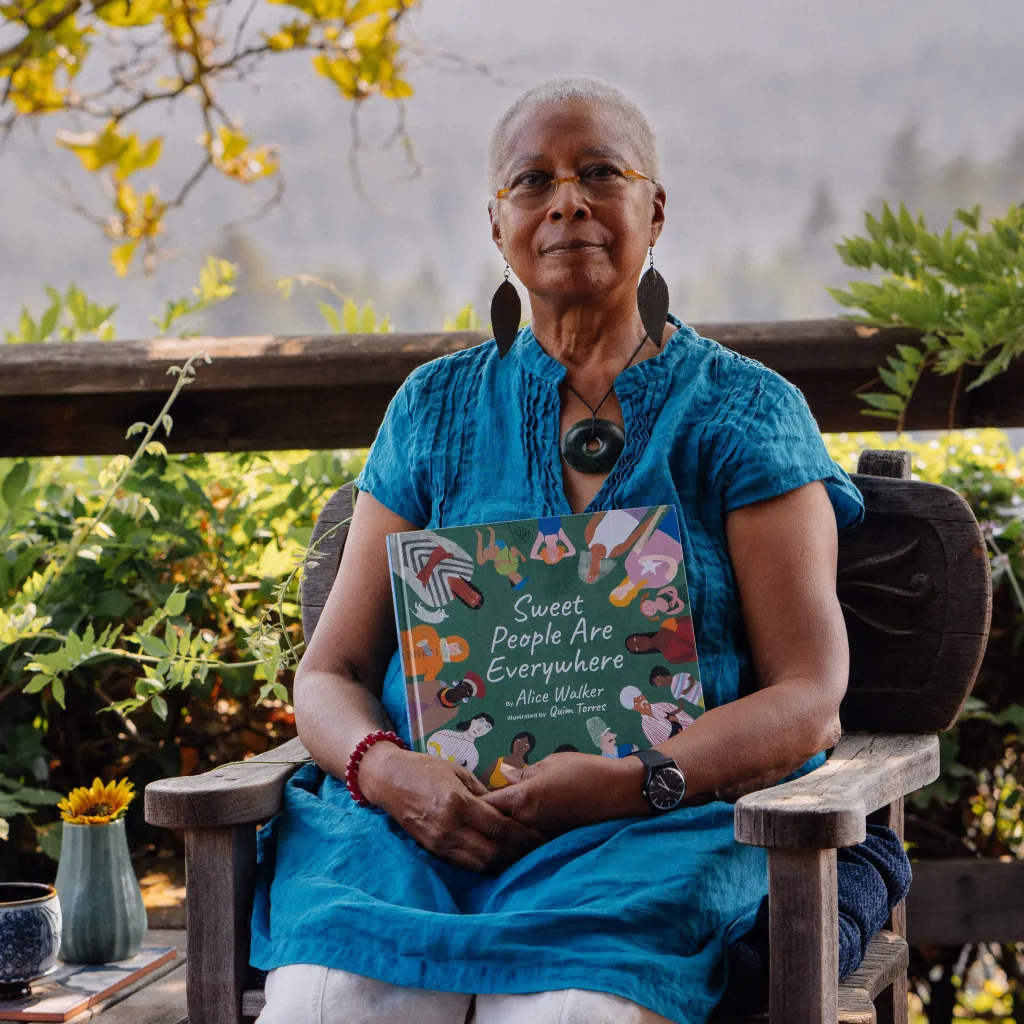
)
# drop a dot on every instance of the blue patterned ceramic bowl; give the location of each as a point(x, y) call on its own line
point(30, 925)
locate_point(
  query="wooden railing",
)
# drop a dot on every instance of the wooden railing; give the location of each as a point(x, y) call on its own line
point(331, 391)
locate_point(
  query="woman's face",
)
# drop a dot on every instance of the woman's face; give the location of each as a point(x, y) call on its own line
point(479, 727)
point(521, 745)
point(574, 250)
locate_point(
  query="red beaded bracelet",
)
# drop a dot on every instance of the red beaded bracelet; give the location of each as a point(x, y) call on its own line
point(352, 768)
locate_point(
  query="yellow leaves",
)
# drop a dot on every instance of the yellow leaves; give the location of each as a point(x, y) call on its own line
point(342, 72)
point(363, 61)
point(288, 36)
point(232, 156)
point(121, 257)
point(361, 78)
point(354, 44)
point(136, 217)
point(363, 8)
point(216, 280)
point(318, 9)
point(124, 153)
point(132, 13)
point(182, 19)
point(35, 61)
point(127, 200)
point(34, 88)
point(33, 14)
point(396, 89)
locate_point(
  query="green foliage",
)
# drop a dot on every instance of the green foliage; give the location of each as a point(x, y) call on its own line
point(346, 317)
point(16, 798)
point(69, 317)
point(350, 319)
point(978, 798)
point(961, 288)
point(465, 320)
point(156, 588)
point(148, 603)
point(216, 284)
point(974, 808)
point(180, 620)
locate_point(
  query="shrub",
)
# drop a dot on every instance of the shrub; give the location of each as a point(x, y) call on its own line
point(974, 808)
point(961, 289)
point(194, 547)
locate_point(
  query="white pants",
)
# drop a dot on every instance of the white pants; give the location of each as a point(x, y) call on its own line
point(310, 994)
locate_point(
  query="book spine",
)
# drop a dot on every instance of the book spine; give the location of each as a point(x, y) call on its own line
point(403, 621)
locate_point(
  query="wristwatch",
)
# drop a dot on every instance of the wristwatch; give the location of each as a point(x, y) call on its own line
point(665, 785)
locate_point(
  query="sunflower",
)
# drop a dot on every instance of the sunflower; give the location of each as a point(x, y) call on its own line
point(97, 804)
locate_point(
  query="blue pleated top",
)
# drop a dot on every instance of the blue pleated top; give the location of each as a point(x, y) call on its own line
point(640, 907)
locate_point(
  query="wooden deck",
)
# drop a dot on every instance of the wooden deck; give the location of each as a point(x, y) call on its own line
point(148, 1002)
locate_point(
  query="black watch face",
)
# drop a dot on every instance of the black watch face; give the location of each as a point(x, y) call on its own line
point(666, 788)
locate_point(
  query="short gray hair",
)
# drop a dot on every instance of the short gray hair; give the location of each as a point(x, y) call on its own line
point(572, 87)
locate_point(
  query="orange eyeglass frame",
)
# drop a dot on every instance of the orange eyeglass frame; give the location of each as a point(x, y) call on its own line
point(502, 193)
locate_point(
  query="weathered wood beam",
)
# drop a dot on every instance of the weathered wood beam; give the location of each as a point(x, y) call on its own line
point(331, 391)
point(953, 902)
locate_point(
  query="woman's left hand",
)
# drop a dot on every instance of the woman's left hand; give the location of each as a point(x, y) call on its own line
point(565, 791)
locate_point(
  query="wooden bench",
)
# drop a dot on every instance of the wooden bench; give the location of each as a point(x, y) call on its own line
point(916, 593)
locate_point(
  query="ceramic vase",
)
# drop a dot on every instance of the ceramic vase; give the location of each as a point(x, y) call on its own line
point(29, 936)
point(104, 916)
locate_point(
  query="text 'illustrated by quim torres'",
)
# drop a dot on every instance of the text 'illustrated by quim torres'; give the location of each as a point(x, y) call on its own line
point(524, 638)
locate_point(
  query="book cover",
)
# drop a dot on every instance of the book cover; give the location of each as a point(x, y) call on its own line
point(73, 988)
point(523, 638)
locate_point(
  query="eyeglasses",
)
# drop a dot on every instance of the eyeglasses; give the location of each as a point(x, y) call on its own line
point(602, 183)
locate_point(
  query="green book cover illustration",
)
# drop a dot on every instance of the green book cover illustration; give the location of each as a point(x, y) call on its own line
point(523, 638)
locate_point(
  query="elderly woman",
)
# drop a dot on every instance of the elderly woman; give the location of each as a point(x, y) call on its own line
point(565, 895)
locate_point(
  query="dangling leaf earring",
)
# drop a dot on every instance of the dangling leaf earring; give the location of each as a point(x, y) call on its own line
point(506, 312)
point(652, 302)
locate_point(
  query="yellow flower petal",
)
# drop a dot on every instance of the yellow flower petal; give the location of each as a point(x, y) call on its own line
point(97, 804)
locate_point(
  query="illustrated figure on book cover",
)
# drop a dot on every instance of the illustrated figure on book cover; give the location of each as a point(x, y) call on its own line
point(459, 743)
point(509, 767)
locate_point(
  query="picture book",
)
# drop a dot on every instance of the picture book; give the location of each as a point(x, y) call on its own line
point(523, 638)
point(73, 988)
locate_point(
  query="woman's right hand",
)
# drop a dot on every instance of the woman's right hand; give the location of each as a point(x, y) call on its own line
point(439, 804)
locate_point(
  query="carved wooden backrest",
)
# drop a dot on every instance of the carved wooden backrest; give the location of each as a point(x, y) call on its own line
point(325, 557)
point(913, 581)
point(916, 591)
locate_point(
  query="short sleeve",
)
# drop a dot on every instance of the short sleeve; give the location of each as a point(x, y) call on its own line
point(769, 443)
point(395, 471)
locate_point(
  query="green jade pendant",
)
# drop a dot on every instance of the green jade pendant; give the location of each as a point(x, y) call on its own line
point(593, 446)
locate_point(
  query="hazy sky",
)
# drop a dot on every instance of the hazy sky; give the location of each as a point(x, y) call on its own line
point(798, 33)
point(754, 101)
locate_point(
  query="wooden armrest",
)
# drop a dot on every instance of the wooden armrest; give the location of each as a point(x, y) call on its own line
point(827, 808)
point(233, 794)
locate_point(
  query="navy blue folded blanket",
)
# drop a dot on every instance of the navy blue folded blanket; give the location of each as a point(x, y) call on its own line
point(872, 878)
